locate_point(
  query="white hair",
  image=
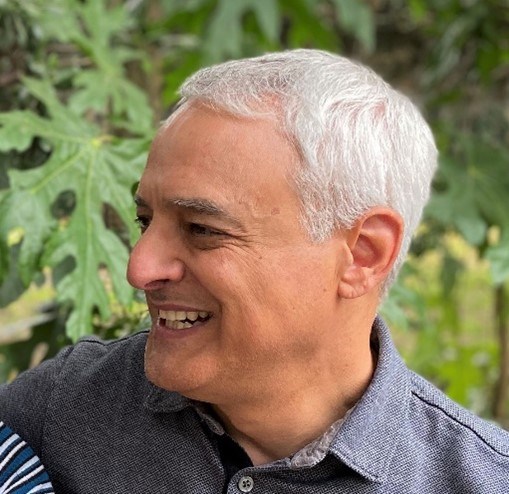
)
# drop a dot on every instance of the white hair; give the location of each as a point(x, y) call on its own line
point(362, 144)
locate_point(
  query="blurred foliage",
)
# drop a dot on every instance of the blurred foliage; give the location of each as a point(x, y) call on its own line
point(83, 85)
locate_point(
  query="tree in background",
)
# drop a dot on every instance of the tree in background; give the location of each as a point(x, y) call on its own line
point(83, 85)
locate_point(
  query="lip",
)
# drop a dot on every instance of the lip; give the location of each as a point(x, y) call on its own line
point(177, 307)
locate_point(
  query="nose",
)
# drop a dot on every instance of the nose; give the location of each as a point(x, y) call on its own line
point(154, 262)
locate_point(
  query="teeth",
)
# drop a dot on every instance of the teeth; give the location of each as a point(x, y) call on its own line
point(192, 316)
point(179, 319)
point(182, 325)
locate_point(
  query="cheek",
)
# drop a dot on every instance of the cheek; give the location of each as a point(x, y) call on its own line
point(273, 296)
point(275, 277)
point(251, 280)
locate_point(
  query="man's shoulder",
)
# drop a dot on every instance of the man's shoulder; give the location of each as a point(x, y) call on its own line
point(92, 358)
point(92, 363)
point(448, 433)
point(82, 373)
point(95, 351)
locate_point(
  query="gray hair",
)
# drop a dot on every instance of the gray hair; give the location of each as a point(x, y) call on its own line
point(362, 144)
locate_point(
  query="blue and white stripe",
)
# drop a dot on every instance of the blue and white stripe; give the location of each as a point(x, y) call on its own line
point(21, 471)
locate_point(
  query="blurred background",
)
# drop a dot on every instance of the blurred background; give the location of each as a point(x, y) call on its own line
point(84, 84)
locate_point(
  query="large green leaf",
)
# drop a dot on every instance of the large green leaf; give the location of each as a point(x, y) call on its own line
point(94, 29)
point(99, 170)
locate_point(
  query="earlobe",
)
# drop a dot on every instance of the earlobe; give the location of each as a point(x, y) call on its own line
point(374, 243)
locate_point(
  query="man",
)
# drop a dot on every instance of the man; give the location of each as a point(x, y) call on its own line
point(277, 205)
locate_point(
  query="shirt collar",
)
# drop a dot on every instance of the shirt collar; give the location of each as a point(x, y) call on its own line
point(160, 400)
point(367, 437)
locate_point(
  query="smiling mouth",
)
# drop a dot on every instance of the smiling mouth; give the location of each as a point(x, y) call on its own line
point(179, 319)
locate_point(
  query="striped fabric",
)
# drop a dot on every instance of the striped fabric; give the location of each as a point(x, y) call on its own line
point(21, 472)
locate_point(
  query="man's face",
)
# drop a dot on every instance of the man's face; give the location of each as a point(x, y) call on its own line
point(222, 244)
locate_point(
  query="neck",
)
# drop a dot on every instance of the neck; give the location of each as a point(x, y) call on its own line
point(301, 407)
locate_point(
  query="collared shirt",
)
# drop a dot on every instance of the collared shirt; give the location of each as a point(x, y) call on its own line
point(21, 472)
point(100, 427)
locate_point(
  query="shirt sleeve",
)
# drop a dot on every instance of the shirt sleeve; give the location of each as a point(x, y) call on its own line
point(23, 403)
point(21, 471)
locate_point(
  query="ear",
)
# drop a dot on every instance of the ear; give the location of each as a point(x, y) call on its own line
point(374, 244)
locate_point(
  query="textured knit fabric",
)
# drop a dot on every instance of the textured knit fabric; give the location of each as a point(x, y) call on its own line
point(21, 472)
point(100, 427)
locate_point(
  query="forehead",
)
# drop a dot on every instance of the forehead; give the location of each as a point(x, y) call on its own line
point(222, 158)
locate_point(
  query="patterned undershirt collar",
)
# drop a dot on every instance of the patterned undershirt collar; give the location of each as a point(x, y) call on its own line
point(310, 455)
point(313, 453)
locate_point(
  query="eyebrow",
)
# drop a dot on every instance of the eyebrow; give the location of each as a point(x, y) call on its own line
point(196, 205)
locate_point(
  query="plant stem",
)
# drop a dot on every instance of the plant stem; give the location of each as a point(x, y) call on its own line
point(501, 391)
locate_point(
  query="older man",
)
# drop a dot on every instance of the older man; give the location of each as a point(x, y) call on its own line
point(276, 207)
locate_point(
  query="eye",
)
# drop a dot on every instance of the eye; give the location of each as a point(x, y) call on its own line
point(198, 230)
point(143, 222)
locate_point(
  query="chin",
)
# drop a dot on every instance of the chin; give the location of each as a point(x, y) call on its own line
point(193, 371)
point(190, 382)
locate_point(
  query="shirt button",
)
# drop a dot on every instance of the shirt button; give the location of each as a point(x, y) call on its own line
point(246, 484)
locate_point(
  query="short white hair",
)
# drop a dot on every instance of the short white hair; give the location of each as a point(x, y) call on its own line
point(362, 144)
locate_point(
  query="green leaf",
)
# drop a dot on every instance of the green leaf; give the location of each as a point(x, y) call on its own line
point(44, 14)
point(457, 207)
point(498, 257)
point(47, 331)
point(403, 303)
point(357, 19)
point(226, 19)
point(97, 90)
point(173, 7)
point(23, 211)
point(181, 71)
point(98, 169)
point(94, 30)
point(225, 33)
point(307, 26)
point(267, 13)
point(103, 23)
point(418, 9)
point(471, 226)
point(473, 188)
point(11, 286)
point(19, 134)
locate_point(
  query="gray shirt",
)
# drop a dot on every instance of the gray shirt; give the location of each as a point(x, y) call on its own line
point(100, 427)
